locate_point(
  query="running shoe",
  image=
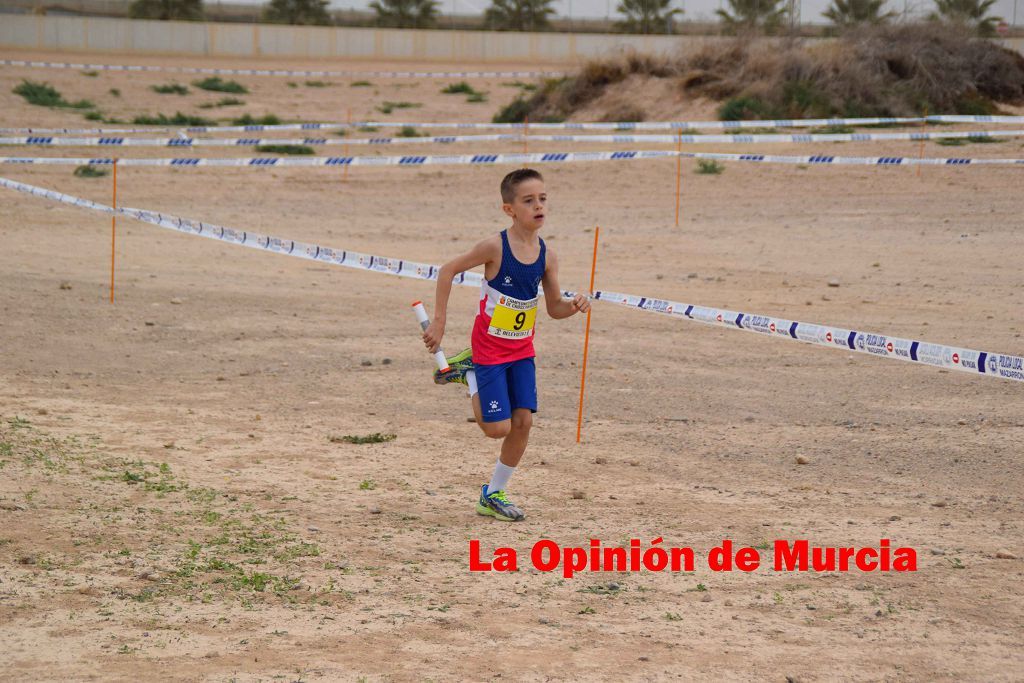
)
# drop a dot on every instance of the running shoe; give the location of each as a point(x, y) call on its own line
point(498, 505)
point(458, 366)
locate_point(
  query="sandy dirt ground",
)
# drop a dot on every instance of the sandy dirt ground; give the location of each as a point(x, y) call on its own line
point(177, 503)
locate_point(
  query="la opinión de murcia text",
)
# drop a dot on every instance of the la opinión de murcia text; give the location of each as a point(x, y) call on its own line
point(797, 555)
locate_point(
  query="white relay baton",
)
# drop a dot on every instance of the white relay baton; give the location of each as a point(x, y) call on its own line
point(424, 320)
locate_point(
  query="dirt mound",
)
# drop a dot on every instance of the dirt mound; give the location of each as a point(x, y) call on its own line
point(875, 71)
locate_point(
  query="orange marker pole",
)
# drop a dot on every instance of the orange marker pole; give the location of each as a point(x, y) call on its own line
point(586, 339)
point(679, 173)
point(348, 131)
point(113, 235)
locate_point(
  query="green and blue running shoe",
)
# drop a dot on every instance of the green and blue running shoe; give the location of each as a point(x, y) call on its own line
point(458, 366)
point(498, 505)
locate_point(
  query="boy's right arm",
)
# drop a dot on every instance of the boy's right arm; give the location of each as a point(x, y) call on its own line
point(481, 254)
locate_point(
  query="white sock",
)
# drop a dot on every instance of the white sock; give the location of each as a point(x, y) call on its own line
point(471, 381)
point(499, 480)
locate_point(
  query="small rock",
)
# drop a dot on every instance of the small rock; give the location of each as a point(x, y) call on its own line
point(692, 276)
point(895, 518)
point(65, 285)
point(728, 603)
point(939, 504)
point(14, 507)
point(470, 419)
point(386, 361)
point(374, 511)
point(961, 422)
point(27, 559)
point(42, 411)
point(169, 444)
point(429, 492)
point(1004, 554)
point(542, 620)
point(150, 323)
point(833, 282)
point(600, 461)
point(634, 463)
point(811, 607)
point(366, 363)
point(176, 301)
point(577, 494)
point(706, 597)
point(220, 378)
point(878, 613)
point(802, 460)
point(937, 551)
point(314, 529)
point(643, 659)
point(149, 575)
point(612, 586)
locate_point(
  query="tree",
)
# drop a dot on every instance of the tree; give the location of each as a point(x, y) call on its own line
point(167, 10)
point(518, 15)
point(297, 12)
point(753, 15)
point(405, 13)
point(647, 16)
point(850, 12)
point(969, 12)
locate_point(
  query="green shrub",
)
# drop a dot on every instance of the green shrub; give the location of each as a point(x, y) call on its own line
point(90, 172)
point(285, 149)
point(458, 89)
point(361, 84)
point(223, 102)
point(376, 437)
point(317, 84)
point(745, 108)
point(477, 97)
point(45, 95)
point(249, 120)
point(513, 112)
point(170, 89)
point(388, 107)
point(410, 132)
point(178, 119)
point(217, 84)
point(709, 167)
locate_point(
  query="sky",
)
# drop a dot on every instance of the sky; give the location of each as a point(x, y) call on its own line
point(695, 10)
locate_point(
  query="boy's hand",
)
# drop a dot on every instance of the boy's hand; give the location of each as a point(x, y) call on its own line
point(581, 303)
point(432, 335)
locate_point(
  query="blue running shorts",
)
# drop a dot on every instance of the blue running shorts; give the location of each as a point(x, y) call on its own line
point(505, 387)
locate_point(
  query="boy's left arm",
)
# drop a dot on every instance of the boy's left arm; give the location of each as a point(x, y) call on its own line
point(556, 305)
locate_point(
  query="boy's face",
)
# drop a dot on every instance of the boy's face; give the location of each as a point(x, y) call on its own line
point(529, 207)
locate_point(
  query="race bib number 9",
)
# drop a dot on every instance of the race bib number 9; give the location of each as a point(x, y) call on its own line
point(513, 318)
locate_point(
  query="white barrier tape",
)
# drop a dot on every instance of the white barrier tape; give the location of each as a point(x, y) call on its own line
point(956, 358)
point(513, 158)
point(283, 72)
point(642, 125)
point(255, 240)
point(952, 357)
point(114, 141)
point(472, 159)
